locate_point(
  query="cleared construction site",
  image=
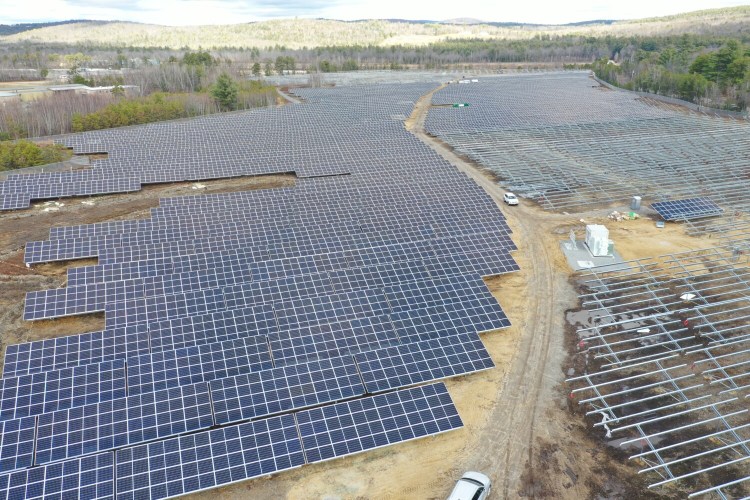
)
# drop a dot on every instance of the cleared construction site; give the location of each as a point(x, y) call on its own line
point(334, 295)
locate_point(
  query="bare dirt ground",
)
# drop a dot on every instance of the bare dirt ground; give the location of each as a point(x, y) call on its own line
point(519, 428)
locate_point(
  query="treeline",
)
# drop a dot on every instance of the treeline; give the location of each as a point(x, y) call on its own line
point(713, 75)
point(167, 93)
point(541, 48)
point(227, 95)
point(705, 69)
point(21, 154)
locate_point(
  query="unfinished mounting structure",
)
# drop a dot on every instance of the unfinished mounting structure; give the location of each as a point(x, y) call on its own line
point(664, 359)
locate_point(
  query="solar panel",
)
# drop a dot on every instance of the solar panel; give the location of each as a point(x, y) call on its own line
point(75, 350)
point(201, 363)
point(59, 389)
point(206, 460)
point(87, 478)
point(213, 327)
point(284, 389)
point(121, 422)
point(364, 424)
point(411, 364)
point(327, 308)
point(326, 340)
point(13, 201)
point(687, 209)
point(17, 444)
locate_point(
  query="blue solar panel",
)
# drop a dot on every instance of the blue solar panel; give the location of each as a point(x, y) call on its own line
point(364, 424)
point(203, 363)
point(75, 350)
point(121, 422)
point(208, 459)
point(411, 364)
point(269, 300)
point(284, 389)
point(87, 478)
point(212, 327)
point(687, 209)
point(59, 389)
point(16, 444)
point(12, 201)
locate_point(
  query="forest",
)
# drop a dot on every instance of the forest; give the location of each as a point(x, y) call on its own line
point(711, 73)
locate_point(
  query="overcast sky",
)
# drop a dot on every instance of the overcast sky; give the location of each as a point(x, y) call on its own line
point(192, 12)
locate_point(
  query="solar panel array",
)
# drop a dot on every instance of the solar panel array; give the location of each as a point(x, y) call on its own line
point(251, 332)
point(250, 143)
point(689, 208)
point(572, 145)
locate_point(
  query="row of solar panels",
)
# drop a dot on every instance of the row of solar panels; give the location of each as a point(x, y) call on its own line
point(101, 412)
point(687, 209)
point(251, 283)
point(353, 202)
point(477, 248)
point(212, 458)
point(289, 241)
point(324, 338)
point(221, 146)
point(433, 219)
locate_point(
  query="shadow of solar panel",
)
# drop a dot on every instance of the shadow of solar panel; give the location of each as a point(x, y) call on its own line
point(364, 424)
point(87, 478)
point(687, 209)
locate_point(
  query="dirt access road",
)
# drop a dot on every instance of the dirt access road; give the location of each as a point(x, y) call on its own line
point(529, 387)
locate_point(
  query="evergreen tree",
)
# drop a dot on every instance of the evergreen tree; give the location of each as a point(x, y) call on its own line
point(225, 92)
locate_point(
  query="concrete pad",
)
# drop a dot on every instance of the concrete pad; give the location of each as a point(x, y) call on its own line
point(580, 258)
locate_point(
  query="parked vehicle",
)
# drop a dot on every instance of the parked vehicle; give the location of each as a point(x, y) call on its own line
point(472, 486)
point(510, 199)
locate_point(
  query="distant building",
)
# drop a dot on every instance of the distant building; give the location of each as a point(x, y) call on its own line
point(85, 89)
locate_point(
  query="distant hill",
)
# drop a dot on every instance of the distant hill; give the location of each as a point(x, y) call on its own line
point(299, 33)
point(12, 29)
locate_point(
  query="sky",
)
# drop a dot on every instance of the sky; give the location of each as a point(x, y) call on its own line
point(194, 12)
